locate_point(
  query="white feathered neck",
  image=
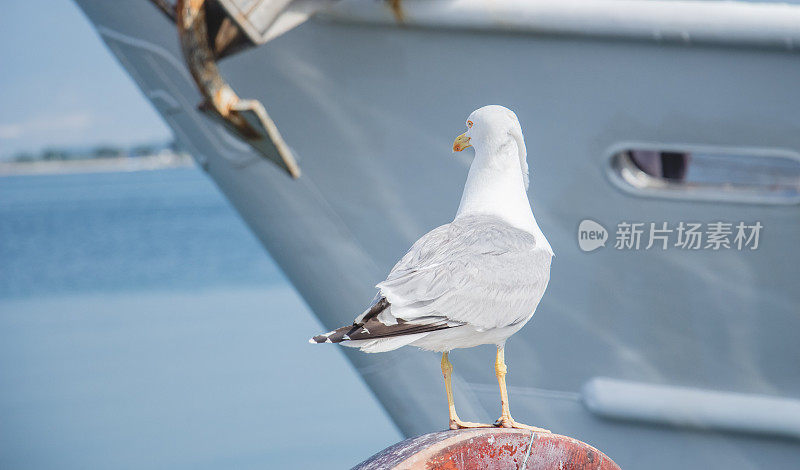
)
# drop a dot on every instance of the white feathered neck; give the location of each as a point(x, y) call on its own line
point(497, 185)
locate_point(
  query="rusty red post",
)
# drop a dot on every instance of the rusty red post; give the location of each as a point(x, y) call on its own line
point(491, 449)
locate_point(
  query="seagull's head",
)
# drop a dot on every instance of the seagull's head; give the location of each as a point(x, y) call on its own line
point(490, 130)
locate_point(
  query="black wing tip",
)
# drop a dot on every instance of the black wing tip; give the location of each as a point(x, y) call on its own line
point(336, 336)
point(319, 339)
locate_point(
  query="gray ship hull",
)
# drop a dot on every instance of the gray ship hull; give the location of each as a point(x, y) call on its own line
point(371, 111)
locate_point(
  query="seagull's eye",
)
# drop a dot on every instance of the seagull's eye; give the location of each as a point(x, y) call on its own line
point(469, 124)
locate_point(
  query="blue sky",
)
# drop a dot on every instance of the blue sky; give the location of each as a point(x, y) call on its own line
point(60, 86)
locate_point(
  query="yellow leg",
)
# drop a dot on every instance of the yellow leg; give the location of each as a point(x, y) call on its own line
point(506, 421)
point(455, 422)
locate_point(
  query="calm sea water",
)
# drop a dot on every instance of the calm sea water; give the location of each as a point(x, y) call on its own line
point(142, 326)
point(168, 229)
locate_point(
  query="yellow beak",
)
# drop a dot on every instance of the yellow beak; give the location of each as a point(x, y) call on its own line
point(461, 143)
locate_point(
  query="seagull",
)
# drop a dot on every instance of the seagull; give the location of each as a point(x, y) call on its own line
point(476, 280)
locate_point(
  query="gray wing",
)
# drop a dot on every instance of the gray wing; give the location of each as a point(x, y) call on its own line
point(477, 270)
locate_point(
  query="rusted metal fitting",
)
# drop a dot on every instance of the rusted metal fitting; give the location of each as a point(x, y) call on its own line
point(246, 118)
point(397, 10)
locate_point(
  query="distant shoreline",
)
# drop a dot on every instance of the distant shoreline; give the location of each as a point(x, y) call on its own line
point(97, 165)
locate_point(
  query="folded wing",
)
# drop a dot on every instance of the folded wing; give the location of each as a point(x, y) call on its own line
point(478, 270)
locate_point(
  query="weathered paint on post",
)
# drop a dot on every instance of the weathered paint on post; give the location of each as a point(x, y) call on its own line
point(490, 448)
